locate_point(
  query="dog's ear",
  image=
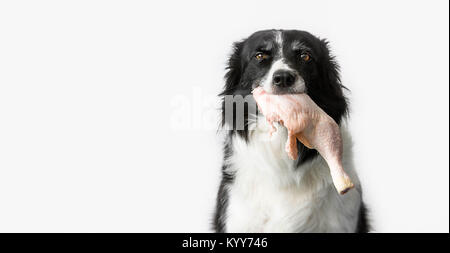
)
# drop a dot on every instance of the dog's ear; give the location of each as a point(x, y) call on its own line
point(329, 68)
point(234, 70)
point(233, 86)
point(331, 89)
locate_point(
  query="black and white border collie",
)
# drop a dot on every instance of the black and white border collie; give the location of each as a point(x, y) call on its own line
point(262, 189)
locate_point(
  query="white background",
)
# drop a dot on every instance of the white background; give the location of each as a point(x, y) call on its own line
point(86, 143)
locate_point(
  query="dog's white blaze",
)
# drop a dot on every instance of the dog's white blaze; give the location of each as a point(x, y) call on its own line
point(279, 41)
point(270, 195)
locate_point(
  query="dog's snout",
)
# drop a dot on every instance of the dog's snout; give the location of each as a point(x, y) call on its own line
point(283, 78)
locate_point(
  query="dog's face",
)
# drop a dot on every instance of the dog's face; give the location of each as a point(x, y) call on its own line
point(280, 62)
point(287, 61)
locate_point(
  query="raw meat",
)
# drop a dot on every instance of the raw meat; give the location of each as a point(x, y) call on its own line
point(308, 123)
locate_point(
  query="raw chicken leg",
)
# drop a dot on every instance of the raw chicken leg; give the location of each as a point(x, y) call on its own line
point(308, 123)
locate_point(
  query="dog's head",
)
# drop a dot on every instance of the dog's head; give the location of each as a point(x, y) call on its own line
point(287, 61)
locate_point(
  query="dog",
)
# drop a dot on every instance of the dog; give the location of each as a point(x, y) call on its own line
point(262, 189)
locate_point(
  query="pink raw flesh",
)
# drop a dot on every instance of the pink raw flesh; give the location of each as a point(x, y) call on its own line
point(308, 123)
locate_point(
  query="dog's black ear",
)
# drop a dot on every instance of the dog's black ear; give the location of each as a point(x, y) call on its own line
point(234, 70)
point(235, 87)
point(330, 96)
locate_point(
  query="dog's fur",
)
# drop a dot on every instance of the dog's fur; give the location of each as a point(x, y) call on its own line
point(262, 190)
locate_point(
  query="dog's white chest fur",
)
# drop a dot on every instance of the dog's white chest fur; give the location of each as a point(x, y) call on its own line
point(270, 195)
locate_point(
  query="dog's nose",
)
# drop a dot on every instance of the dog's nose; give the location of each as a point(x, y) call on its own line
point(283, 78)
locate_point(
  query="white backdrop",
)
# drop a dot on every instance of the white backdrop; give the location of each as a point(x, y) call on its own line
point(87, 91)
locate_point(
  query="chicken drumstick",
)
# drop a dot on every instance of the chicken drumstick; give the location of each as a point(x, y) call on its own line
point(308, 123)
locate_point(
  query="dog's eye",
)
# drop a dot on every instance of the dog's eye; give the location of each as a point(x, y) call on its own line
point(305, 57)
point(261, 56)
